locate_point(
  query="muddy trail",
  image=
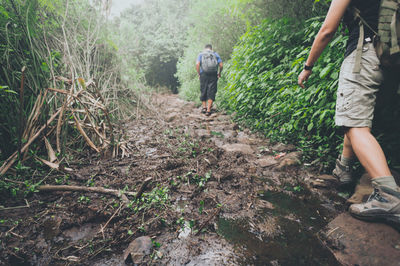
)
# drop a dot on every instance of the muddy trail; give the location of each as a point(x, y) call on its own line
point(197, 191)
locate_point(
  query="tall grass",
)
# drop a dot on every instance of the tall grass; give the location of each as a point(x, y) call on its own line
point(59, 43)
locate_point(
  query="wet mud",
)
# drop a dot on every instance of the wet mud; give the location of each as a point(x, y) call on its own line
point(218, 195)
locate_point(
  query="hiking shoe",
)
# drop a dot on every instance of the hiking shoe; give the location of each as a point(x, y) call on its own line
point(381, 206)
point(204, 110)
point(343, 173)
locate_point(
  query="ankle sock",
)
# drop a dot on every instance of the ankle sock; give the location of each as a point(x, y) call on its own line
point(386, 181)
point(346, 161)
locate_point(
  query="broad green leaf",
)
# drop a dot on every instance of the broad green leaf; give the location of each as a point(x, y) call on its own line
point(325, 71)
point(310, 126)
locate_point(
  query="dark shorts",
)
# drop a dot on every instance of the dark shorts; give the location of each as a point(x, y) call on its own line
point(208, 86)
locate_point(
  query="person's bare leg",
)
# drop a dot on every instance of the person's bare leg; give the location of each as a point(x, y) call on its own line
point(384, 202)
point(347, 148)
point(210, 103)
point(204, 104)
point(368, 151)
point(344, 165)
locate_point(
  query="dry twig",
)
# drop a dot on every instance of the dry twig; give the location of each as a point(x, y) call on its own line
point(118, 193)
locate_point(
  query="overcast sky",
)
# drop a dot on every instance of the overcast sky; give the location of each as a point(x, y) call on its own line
point(120, 5)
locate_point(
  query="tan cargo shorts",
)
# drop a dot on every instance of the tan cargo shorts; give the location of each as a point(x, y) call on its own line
point(356, 93)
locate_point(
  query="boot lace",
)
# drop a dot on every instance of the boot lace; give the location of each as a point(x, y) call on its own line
point(376, 196)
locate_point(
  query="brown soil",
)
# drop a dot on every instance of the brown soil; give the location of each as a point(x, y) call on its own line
point(203, 169)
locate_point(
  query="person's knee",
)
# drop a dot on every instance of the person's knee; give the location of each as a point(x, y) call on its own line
point(355, 132)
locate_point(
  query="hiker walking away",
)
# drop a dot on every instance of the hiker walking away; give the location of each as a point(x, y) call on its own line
point(207, 65)
point(360, 78)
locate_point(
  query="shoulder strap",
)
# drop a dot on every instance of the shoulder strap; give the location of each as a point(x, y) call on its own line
point(357, 15)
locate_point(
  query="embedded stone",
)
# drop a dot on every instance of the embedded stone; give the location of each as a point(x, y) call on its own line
point(138, 249)
point(238, 147)
point(266, 161)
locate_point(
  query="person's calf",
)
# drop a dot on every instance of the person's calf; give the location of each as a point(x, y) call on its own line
point(209, 105)
point(368, 151)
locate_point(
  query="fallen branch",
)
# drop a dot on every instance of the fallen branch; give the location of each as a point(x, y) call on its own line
point(118, 193)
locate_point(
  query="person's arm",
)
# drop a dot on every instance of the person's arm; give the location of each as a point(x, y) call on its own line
point(221, 66)
point(198, 68)
point(324, 36)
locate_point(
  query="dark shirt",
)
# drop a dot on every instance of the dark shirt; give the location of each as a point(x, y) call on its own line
point(369, 10)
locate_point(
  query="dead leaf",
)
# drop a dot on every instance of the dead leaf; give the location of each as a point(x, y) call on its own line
point(50, 151)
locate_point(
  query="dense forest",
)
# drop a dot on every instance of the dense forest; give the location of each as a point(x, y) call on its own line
point(72, 76)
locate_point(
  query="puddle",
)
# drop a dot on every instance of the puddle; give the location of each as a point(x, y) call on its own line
point(86, 231)
point(285, 235)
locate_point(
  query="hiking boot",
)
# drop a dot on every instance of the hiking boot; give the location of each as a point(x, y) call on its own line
point(343, 173)
point(382, 205)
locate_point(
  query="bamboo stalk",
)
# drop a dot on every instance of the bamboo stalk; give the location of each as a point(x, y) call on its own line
point(107, 114)
point(84, 135)
point(21, 111)
point(10, 161)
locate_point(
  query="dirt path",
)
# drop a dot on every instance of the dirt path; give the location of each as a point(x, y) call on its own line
point(216, 195)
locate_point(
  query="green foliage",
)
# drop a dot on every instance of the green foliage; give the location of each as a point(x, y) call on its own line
point(262, 87)
point(153, 46)
point(157, 198)
point(17, 51)
point(299, 10)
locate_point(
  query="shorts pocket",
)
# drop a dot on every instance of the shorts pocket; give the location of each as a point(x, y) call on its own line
point(344, 99)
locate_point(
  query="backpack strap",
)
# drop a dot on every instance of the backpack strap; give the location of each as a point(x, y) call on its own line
point(357, 16)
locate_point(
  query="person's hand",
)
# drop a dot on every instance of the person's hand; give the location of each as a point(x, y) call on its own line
point(303, 77)
point(219, 75)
